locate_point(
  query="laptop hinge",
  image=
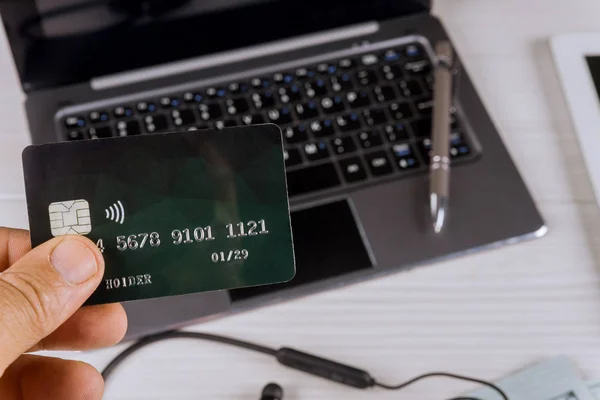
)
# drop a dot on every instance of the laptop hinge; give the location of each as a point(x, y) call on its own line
point(213, 60)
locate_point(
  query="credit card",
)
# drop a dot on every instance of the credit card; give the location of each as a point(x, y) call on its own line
point(172, 213)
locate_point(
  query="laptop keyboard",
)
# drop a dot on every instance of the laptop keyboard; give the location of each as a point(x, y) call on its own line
point(345, 122)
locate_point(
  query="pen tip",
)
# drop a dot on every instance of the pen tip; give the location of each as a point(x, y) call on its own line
point(438, 212)
point(437, 227)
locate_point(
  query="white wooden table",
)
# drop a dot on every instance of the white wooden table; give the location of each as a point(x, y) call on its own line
point(484, 315)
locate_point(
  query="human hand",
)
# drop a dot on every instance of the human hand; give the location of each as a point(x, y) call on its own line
point(41, 292)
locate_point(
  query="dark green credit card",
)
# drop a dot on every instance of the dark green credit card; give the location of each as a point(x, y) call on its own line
point(172, 213)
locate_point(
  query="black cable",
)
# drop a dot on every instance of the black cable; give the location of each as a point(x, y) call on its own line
point(182, 335)
point(446, 375)
point(465, 398)
point(295, 359)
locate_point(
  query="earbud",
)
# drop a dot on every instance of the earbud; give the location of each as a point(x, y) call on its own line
point(272, 392)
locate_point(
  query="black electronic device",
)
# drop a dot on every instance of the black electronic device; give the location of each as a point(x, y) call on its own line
point(317, 366)
point(348, 82)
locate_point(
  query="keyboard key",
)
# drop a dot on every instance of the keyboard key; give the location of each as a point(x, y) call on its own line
point(156, 123)
point(325, 68)
point(252, 119)
point(396, 132)
point(144, 107)
point(392, 72)
point(128, 128)
point(316, 150)
point(378, 163)
point(404, 156)
point(366, 77)
point(425, 149)
point(307, 110)
point(288, 78)
point(210, 111)
point(425, 107)
point(456, 138)
point(260, 83)
point(459, 151)
point(374, 116)
point(243, 88)
point(341, 82)
point(322, 128)
point(391, 55)
point(75, 135)
point(234, 88)
point(368, 139)
point(411, 88)
point(315, 88)
point(332, 105)
point(358, 99)
point(369, 59)
point(305, 73)
point(296, 134)
point(458, 146)
point(343, 145)
point(289, 94)
point(414, 51)
point(191, 97)
point(284, 78)
point(346, 63)
point(170, 102)
point(311, 179)
point(384, 93)
point(263, 100)
point(183, 117)
point(280, 116)
point(422, 67)
point(348, 122)
point(98, 116)
point(222, 124)
point(237, 106)
point(121, 112)
point(75, 122)
point(292, 157)
point(353, 169)
point(100, 132)
point(400, 111)
point(215, 92)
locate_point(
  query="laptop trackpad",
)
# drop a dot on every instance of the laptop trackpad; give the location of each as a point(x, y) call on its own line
point(327, 243)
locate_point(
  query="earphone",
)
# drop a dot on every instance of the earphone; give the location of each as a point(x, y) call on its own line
point(308, 363)
point(272, 392)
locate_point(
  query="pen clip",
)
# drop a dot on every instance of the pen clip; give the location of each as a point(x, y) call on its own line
point(455, 69)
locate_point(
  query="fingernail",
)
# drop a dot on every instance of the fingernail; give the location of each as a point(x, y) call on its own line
point(74, 261)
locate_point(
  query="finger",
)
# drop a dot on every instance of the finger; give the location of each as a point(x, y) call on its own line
point(89, 328)
point(42, 378)
point(14, 244)
point(43, 289)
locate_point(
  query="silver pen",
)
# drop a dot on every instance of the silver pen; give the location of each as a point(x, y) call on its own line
point(439, 168)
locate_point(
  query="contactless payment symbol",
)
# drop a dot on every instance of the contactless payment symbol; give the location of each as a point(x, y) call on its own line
point(116, 213)
point(70, 217)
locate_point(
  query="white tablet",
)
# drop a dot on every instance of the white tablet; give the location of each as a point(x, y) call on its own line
point(577, 58)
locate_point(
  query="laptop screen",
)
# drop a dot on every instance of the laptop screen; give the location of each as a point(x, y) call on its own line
point(60, 42)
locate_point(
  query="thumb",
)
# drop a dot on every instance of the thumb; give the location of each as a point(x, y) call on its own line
point(43, 289)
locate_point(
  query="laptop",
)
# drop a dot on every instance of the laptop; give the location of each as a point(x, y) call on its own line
point(350, 85)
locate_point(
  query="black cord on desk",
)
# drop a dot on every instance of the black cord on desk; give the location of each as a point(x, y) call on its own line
point(308, 363)
point(107, 372)
point(444, 375)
